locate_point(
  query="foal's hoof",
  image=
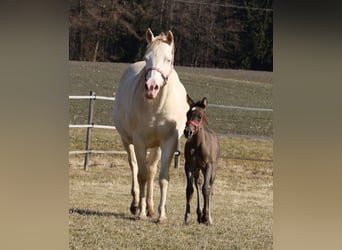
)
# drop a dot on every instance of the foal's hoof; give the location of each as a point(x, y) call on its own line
point(134, 209)
point(206, 221)
point(187, 219)
point(199, 220)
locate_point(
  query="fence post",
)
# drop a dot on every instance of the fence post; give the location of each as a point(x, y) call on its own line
point(90, 122)
point(177, 154)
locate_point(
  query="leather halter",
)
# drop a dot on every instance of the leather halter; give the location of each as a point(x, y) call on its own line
point(198, 124)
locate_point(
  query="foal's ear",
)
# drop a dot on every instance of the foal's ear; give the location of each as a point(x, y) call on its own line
point(149, 35)
point(189, 100)
point(205, 101)
point(169, 37)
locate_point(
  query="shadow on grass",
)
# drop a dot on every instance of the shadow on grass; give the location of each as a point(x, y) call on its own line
point(97, 213)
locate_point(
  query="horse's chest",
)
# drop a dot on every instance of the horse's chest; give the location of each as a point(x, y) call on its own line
point(150, 125)
point(155, 127)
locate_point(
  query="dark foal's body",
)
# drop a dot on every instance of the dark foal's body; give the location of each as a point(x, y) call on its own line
point(201, 155)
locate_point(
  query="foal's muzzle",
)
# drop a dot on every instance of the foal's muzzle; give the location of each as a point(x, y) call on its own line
point(188, 133)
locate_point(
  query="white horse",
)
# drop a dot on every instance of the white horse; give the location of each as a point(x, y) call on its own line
point(150, 114)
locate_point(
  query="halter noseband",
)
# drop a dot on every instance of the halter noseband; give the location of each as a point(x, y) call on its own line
point(165, 77)
point(198, 124)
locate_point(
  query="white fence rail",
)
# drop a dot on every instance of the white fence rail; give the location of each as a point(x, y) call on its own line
point(90, 126)
point(92, 97)
point(240, 108)
point(95, 97)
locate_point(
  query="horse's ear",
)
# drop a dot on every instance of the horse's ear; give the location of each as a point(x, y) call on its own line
point(205, 101)
point(169, 37)
point(189, 100)
point(149, 35)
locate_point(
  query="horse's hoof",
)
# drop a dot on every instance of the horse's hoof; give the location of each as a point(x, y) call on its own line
point(162, 221)
point(134, 209)
point(151, 213)
point(142, 217)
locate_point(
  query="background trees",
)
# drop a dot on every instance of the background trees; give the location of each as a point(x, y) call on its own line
point(237, 34)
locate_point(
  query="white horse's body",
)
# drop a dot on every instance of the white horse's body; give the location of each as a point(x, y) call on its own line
point(150, 113)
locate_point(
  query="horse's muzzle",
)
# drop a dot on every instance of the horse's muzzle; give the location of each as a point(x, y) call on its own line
point(151, 90)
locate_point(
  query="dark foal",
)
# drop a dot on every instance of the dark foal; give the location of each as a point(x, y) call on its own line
point(201, 154)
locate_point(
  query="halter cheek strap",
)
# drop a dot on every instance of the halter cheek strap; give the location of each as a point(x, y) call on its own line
point(165, 77)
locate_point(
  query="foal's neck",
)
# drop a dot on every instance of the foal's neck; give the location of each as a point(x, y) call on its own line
point(199, 138)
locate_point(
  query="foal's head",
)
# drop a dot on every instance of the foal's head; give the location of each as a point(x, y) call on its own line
point(159, 62)
point(195, 117)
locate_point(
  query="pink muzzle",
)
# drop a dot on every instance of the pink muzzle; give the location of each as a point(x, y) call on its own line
point(151, 87)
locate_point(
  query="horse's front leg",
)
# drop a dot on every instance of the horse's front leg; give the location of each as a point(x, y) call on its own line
point(189, 192)
point(206, 190)
point(135, 186)
point(168, 148)
point(152, 163)
point(140, 152)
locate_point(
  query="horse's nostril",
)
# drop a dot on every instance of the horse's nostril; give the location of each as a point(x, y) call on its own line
point(156, 87)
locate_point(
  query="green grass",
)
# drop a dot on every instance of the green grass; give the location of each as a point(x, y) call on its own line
point(242, 204)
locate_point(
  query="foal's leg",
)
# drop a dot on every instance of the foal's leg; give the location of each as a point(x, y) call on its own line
point(132, 160)
point(212, 179)
point(189, 192)
point(152, 163)
point(198, 183)
point(206, 218)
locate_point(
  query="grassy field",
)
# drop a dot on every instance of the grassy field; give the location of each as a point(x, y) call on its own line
point(242, 205)
point(227, 87)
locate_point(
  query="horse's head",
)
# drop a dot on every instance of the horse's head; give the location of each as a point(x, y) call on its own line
point(159, 62)
point(195, 117)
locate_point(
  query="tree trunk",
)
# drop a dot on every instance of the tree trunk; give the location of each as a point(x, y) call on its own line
point(96, 50)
